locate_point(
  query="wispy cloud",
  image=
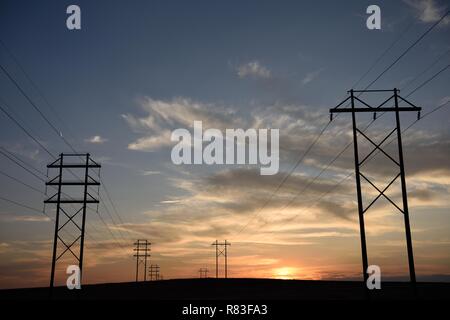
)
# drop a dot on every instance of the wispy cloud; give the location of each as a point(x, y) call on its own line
point(311, 76)
point(253, 69)
point(151, 143)
point(170, 201)
point(150, 173)
point(24, 218)
point(96, 140)
point(428, 10)
point(163, 116)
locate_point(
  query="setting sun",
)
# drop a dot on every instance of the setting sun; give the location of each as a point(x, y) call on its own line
point(285, 273)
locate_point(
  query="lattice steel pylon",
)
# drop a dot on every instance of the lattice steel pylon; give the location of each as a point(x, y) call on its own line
point(396, 98)
point(221, 252)
point(143, 247)
point(203, 272)
point(63, 198)
point(154, 272)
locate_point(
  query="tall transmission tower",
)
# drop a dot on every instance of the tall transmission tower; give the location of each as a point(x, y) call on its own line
point(142, 249)
point(203, 272)
point(154, 272)
point(221, 250)
point(66, 195)
point(398, 163)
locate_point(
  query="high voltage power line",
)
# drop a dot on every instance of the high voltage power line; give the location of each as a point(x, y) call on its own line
point(32, 136)
point(35, 86)
point(368, 160)
point(7, 155)
point(58, 132)
point(367, 87)
point(22, 205)
point(2, 151)
point(55, 129)
point(316, 139)
point(409, 48)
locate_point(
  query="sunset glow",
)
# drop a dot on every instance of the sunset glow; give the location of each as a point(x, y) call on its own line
point(139, 71)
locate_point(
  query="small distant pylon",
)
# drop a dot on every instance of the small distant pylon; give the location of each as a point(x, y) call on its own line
point(203, 272)
point(142, 249)
point(154, 272)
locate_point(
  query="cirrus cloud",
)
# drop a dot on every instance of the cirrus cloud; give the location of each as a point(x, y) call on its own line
point(428, 10)
point(253, 69)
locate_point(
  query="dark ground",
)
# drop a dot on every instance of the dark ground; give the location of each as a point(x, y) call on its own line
point(237, 289)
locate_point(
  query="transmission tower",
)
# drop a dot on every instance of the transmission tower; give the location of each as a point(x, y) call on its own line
point(68, 193)
point(222, 251)
point(142, 249)
point(399, 163)
point(154, 272)
point(203, 272)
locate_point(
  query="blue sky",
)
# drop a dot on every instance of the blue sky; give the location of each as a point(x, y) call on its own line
point(231, 64)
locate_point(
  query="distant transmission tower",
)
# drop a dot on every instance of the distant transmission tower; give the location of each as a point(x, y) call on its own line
point(142, 249)
point(154, 272)
point(399, 163)
point(221, 252)
point(203, 272)
point(68, 192)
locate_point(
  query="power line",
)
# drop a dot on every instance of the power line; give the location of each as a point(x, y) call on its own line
point(422, 84)
point(323, 130)
point(42, 193)
point(349, 144)
point(369, 159)
point(26, 131)
point(429, 113)
point(383, 54)
point(114, 208)
point(22, 183)
point(34, 85)
point(32, 136)
point(58, 132)
point(431, 78)
point(426, 69)
point(20, 165)
point(23, 206)
point(114, 223)
point(30, 208)
point(121, 245)
point(408, 49)
point(16, 84)
point(286, 177)
point(23, 162)
point(311, 181)
point(37, 142)
point(414, 122)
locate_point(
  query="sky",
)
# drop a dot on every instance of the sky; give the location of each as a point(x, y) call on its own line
point(139, 69)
